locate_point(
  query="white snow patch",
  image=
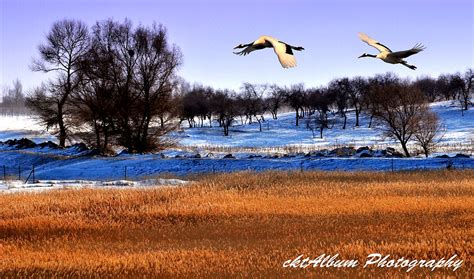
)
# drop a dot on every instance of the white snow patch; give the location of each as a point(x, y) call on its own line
point(23, 126)
point(12, 186)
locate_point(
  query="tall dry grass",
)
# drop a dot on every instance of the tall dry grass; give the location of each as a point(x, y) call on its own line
point(241, 225)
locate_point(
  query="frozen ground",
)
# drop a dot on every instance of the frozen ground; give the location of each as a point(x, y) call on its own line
point(201, 150)
point(278, 133)
point(283, 133)
point(13, 186)
point(22, 126)
point(137, 167)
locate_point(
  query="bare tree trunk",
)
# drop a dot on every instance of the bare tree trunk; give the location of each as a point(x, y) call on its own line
point(226, 129)
point(297, 117)
point(357, 117)
point(62, 128)
point(274, 115)
point(97, 134)
point(345, 121)
point(259, 120)
point(106, 140)
point(370, 122)
point(405, 149)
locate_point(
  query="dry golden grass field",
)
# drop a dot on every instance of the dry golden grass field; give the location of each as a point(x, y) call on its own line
point(242, 225)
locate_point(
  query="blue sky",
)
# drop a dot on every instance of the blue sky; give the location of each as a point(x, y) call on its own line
point(206, 32)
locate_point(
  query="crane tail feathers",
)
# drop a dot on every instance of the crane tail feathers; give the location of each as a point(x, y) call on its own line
point(287, 60)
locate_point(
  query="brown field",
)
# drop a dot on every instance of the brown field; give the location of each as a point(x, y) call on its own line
point(241, 225)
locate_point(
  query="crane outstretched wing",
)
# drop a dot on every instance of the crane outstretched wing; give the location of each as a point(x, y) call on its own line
point(246, 50)
point(371, 42)
point(284, 53)
point(405, 53)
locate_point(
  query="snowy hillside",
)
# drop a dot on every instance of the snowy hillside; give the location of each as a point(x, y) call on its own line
point(283, 134)
point(280, 133)
point(280, 146)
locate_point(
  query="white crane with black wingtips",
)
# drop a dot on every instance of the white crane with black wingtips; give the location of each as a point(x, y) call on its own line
point(386, 55)
point(283, 50)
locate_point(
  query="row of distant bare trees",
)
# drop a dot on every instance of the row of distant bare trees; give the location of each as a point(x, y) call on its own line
point(116, 84)
point(400, 106)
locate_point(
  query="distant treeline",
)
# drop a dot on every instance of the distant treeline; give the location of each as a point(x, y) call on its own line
point(12, 100)
point(400, 106)
point(117, 84)
point(254, 100)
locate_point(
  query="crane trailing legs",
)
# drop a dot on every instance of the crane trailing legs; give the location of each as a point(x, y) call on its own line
point(387, 55)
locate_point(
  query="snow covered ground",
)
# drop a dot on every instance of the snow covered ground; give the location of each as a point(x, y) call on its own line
point(202, 150)
point(150, 166)
point(22, 126)
point(282, 132)
point(13, 186)
point(277, 133)
point(139, 167)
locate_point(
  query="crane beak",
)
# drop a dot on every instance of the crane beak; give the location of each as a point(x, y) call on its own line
point(361, 56)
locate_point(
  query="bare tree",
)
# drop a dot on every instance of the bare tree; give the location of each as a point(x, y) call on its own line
point(429, 132)
point(275, 100)
point(228, 109)
point(368, 101)
point(427, 85)
point(251, 101)
point(319, 103)
point(400, 107)
point(93, 106)
point(371, 97)
point(295, 98)
point(466, 92)
point(359, 88)
point(443, 87)
point(157, 63)
point(94, 103)
point(210, 106)
point(140, 67)
point(197, 104)
point(342, 90)
point(312, 100)
point(456, 87)
point(323, 108)
point(66, 44)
